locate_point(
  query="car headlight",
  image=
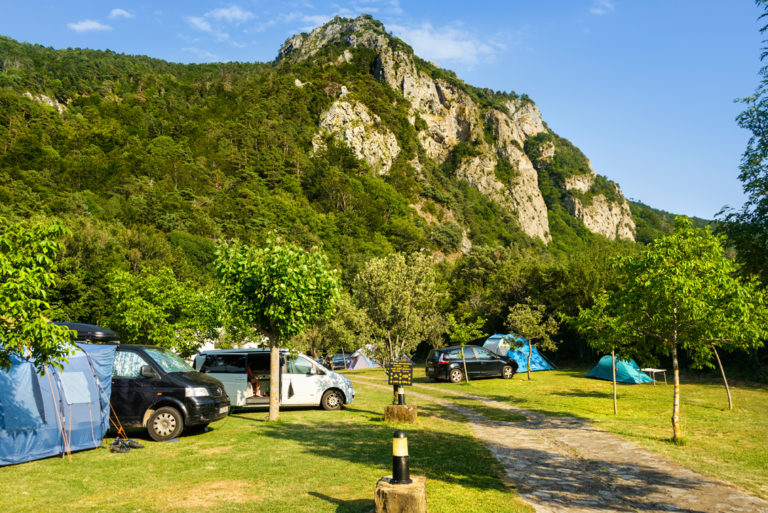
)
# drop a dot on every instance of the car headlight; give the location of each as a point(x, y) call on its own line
point(196, 392)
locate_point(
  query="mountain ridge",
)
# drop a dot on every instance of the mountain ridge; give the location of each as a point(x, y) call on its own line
point(453, 114)
point(149, 163)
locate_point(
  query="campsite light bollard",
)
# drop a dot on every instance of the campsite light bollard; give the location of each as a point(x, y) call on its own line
point(401, 472)
point(400, 395)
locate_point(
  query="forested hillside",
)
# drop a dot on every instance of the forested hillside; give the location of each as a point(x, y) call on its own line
point(150, 163)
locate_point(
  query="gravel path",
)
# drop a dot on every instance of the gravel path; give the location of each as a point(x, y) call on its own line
point(567, 465)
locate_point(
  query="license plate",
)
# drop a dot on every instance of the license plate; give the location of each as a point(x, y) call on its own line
point(224, 409)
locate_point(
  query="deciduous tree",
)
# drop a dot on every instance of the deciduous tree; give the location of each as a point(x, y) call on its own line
point(153, 307)
point(680, 292)
point(280, 289)
point(532, 322)
point(747, 228)
point(28, 255)
point(461, 331)
point(398, 293)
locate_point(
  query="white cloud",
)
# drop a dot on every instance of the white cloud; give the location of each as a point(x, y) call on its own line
point(315, 20)
point(88, 26)
point(201, 54)
point(199, 23)
point(601, 7)
point(119, 13)
point(446, 44)
point(231, 14)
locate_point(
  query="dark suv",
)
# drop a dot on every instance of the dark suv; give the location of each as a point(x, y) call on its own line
point(446, 363)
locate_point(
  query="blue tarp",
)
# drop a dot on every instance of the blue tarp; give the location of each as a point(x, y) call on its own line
point(516, 347)
point(627, 371)
point(42, 416)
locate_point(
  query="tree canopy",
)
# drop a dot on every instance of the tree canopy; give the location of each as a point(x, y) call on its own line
point(28, 255)
point(681, 292)
point(398, 293)
point(280, 289)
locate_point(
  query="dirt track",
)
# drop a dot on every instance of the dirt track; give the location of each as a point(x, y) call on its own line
point(567, 465)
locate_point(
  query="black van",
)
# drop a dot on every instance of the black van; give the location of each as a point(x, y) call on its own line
point(154, 388)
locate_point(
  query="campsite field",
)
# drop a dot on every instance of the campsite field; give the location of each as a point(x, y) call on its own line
point(729, 445)
point(311, 460)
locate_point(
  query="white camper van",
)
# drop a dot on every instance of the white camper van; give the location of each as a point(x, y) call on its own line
point(303, 382)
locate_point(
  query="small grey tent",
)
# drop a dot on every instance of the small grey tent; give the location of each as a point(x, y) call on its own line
point(360, 361)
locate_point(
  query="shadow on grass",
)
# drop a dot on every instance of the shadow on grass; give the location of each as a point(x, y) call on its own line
point(346, 506)
point(444, 456)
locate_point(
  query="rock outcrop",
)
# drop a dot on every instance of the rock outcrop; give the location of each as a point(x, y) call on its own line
point(354, 124)
point(451, 117)
point(45, 100)
point(613, 219)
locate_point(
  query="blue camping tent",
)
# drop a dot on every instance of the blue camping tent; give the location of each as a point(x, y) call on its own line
point(516, 347)
point(627, 371)
point(58, 412)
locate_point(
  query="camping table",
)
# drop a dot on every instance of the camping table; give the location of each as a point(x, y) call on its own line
point(653, 373)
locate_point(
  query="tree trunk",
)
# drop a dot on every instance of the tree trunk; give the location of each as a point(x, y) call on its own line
point(615, 403)
point(464, 361)
point(725, 381)
point(676, 433)
point(530, 351)
point(274, 383)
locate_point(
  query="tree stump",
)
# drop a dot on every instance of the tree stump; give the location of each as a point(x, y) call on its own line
point(401, 413)
point(401, 498)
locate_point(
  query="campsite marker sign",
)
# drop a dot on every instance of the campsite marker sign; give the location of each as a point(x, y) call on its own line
point(400, 373)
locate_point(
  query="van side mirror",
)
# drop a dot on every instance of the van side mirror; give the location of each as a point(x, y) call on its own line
point(148, 372)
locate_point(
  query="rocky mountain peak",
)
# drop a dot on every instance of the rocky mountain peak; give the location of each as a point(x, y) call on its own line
point(361, 31)
point(450, 113)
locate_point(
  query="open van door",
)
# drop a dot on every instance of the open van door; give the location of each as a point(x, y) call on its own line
point(300, 381)
point(229, 368)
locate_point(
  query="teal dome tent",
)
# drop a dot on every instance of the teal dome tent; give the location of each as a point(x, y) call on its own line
point(627, 371)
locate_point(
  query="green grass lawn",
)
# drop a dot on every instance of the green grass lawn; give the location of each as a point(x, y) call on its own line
point(311, 460)
point(729, 445)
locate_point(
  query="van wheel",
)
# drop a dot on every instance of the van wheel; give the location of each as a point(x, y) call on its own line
point(332, 400)
point(507, 372)
point(456, 376)
point(165, 423)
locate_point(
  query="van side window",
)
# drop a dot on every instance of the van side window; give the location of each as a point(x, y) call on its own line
point(224, 363)
point(128, 364)
point(298, 365)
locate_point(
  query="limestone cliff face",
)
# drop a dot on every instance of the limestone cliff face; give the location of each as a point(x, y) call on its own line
point(354, 124)
point(613, 219)
point(451, 116)
point(45, 100)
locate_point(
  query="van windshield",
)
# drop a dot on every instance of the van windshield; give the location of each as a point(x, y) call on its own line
point(169, 361)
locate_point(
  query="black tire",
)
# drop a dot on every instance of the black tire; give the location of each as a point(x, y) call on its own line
point(455, 376)
point(165, 423)
point(507, 372)
point(332, 399)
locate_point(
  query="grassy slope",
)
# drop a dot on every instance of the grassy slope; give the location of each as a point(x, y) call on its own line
point(310, 461)
point(729, 445)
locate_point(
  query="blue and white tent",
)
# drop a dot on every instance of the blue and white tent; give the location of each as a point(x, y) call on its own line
point(58, 412)
point(516, 347)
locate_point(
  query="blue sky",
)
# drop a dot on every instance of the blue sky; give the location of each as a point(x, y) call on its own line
point(645, 88)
